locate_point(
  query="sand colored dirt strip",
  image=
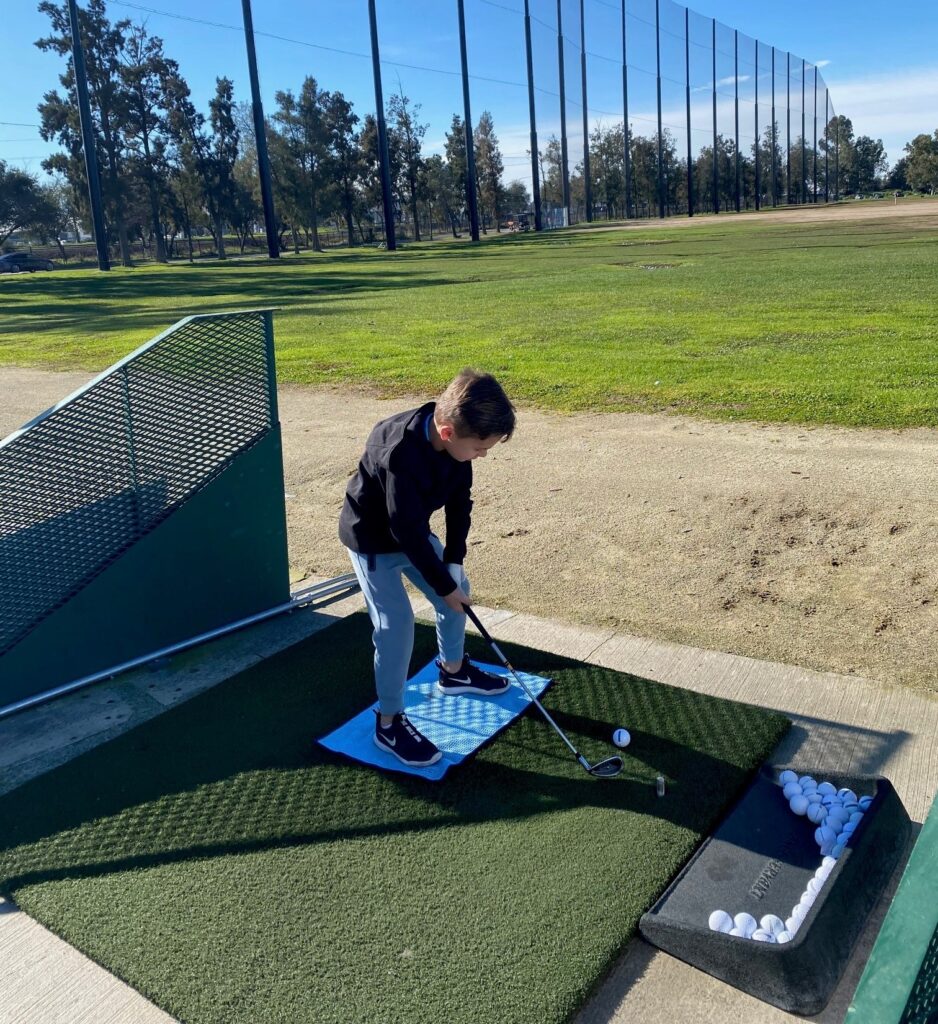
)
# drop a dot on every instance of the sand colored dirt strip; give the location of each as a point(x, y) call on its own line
point(812, 546)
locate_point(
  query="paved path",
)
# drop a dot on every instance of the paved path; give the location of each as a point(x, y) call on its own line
point(839, 721)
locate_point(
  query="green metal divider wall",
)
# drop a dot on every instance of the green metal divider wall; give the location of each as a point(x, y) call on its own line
point(144, 510)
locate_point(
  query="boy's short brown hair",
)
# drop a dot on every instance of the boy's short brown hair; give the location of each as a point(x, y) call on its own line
point(477, 406)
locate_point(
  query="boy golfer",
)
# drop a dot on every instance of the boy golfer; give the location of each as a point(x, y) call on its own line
point(415, 463)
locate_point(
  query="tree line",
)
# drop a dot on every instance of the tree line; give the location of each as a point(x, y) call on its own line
point(170, 173)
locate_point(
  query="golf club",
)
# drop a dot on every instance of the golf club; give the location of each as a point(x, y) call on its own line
point(607, 769)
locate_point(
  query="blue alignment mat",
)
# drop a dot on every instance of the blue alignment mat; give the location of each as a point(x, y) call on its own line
point(458, 724)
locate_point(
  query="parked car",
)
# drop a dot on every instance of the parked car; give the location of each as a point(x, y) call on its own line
point(16, 262)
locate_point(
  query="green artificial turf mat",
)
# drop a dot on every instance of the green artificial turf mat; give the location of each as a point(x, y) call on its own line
point(234, 872)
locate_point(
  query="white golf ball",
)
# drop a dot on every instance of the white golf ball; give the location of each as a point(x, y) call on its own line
point(784, 936)
point(791, 789)
point(621, 737)
point(817, 813)
point(792, 924)
point(762, 936)
point(814, 885)
point(823, 872)
point(864, 802)
point(799, 804)
point(772, 924)
point(830, 863)
point(738, 933)
point(826, 789)
point(720, 921)
point(787, 776)
point(798, 911)
point(807, 899)
point(746, 923)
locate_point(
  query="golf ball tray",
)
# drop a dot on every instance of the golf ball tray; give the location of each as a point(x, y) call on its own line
point(760, 861)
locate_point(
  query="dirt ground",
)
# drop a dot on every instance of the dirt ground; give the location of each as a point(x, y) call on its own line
point(816, 547)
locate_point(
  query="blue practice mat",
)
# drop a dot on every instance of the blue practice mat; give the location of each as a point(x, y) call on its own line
point(458, 724)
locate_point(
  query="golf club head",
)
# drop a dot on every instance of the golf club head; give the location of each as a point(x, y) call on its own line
point(607, 769)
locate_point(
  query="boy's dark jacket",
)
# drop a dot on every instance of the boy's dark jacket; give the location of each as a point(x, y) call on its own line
point(400, 481)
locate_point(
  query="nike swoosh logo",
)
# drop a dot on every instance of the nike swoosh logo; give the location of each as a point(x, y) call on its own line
point(456, 679)
point(389, 741)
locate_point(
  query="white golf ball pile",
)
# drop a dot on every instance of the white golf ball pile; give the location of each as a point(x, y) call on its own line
point(837, 813)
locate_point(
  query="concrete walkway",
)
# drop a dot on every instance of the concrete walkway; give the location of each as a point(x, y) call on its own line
point(840, 722)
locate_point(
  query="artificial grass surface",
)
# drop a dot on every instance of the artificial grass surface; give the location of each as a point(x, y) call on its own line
point(236, 873)
point(768, 318)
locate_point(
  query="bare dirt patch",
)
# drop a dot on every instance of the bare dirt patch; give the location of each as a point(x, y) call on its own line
point(812, 546)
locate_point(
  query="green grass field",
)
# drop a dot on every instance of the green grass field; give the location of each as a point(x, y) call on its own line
point(235, 872)
point(765, 319)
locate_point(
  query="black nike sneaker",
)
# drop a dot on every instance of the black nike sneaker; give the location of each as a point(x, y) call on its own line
point(402, 740)
point(471, 679)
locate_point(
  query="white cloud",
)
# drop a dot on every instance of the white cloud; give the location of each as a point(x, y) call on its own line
point(821, 63)
point(893, 107)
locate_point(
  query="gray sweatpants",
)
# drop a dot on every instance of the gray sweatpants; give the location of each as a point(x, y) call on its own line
point(393, 618)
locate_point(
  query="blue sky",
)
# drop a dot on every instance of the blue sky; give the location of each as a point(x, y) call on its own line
point(881, 70)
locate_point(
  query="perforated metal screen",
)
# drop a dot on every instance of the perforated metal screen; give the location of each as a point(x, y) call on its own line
point(922, 1007)
point(85, 481)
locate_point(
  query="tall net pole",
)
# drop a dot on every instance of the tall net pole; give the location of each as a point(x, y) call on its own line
point(535, 180)
point(386, 198)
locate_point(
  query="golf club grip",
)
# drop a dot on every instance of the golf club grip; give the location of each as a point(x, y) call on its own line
point(487, 638)
point(478, 625)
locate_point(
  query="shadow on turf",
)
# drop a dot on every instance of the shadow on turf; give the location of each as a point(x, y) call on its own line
point(481, 792)
point(119, 306)
point(236, 769)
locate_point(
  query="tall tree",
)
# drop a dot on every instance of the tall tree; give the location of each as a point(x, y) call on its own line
point(225, 198)
point(194, 167)
point(144, 68)
point(347, 161)
point(921, 168)
point(444, 190)
point(897, 176)
point(301, 122)
point(489, 167)
point(404, 124)
point(607, 169)
point(837, 146)
point(869, 163)
point(103, 45)
point(455, 149)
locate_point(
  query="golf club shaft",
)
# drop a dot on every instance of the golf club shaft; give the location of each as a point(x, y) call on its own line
point(501, 657)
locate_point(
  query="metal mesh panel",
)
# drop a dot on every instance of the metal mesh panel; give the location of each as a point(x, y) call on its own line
point(922, 1007)
point(86, 481)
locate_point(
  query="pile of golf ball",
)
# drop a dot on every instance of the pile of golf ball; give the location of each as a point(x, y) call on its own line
point(836, 813)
